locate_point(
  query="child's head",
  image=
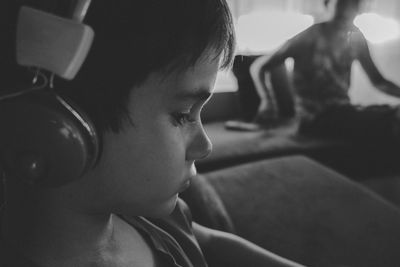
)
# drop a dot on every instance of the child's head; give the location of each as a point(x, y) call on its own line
point(347, 10)
point(136, 38)
point(151, 68)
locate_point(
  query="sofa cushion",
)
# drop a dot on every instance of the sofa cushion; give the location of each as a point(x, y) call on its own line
point(236, 147)
point(306, 212)
point(358, 161)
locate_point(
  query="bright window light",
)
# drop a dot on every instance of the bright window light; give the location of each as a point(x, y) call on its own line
point(377, 29)
point(265, 30)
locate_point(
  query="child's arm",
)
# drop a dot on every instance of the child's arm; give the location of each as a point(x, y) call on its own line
point(221, 248)
point(374, 75)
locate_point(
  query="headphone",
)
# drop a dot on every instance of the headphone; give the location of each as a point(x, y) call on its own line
point(45, 139)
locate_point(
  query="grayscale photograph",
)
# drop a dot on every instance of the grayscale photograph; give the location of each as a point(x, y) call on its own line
point(200, 133)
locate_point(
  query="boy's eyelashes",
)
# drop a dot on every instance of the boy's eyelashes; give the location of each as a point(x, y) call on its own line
point(188, 114)
point(182, 118)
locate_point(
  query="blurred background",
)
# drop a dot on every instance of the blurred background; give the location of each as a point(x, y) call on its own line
point(263, 25)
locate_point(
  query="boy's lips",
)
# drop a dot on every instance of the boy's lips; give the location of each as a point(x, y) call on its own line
point(185, 185)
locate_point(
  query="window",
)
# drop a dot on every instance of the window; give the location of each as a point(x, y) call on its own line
point(257, 32)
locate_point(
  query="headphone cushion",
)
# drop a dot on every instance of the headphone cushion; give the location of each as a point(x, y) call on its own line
point(44, 140)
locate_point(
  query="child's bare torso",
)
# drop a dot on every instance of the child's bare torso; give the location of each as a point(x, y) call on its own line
point(322, 71)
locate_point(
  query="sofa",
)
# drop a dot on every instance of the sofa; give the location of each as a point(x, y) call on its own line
point(317, 201)
point(301, 210)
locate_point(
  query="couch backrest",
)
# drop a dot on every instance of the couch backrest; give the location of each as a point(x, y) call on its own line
point(221, 107)
point(281, 81)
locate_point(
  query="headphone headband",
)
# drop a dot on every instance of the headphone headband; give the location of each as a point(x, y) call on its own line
point(56, 44)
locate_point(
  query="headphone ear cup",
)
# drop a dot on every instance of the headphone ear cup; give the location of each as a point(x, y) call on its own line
point(45, 140)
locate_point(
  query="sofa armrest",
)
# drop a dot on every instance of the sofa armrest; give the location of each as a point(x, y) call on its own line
point(206, 206)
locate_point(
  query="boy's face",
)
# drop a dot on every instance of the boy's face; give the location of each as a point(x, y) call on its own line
point(146, 165)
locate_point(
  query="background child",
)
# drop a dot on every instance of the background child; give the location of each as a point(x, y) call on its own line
point(323, 55)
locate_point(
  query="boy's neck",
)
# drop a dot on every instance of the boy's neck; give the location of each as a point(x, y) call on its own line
point(53, 235)
point(39, 230)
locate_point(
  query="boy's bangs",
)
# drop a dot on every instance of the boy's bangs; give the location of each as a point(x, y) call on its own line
point(209, 34)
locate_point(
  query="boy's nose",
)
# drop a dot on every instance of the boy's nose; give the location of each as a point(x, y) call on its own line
point(200, 147)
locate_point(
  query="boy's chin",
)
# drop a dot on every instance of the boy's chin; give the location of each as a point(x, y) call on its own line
point(165, 209)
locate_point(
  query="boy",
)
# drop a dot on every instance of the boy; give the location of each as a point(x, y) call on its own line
point(150, 70)
point(323, 55)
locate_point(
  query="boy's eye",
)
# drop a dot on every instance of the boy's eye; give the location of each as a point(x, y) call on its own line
point(183, 118)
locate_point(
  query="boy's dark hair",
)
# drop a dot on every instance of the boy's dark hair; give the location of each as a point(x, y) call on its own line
point(136, 38)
